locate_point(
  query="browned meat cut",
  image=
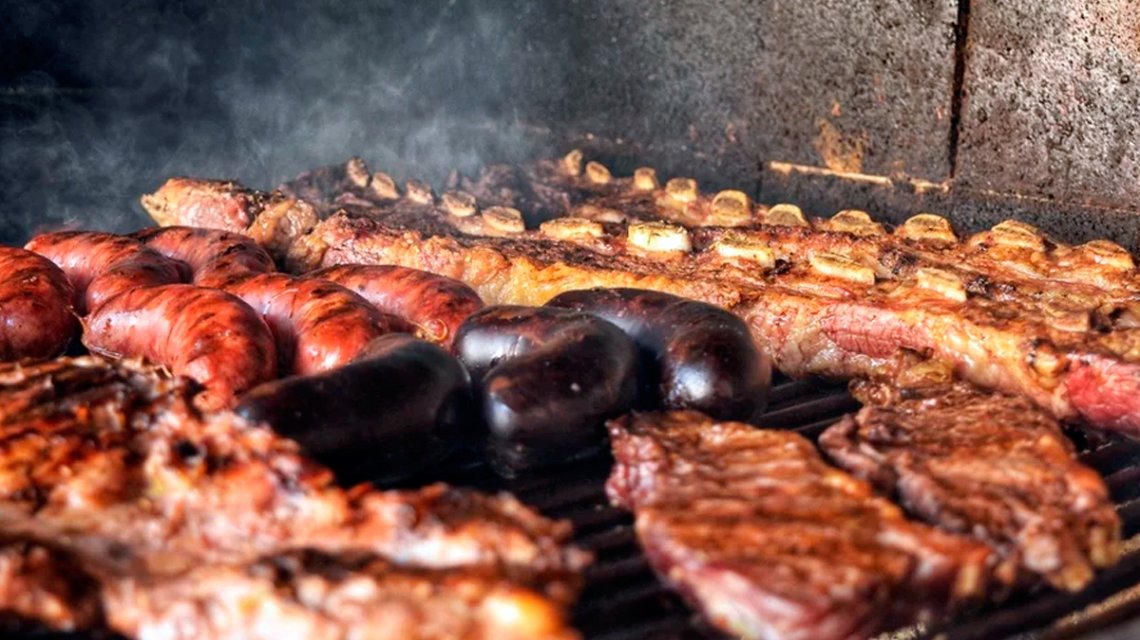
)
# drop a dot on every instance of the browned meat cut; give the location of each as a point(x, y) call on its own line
point(36, 315)
point(272, 219)
point(771, 543)
point(1010, 309)
point(110, 467)
point(40, 585)
point(984, 465)
point(321, 597)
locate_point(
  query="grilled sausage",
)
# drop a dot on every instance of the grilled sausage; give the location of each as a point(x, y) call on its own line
point(36, 317)
point(436, 305)
point(102, 265)
point(318, 325)
point(546, 380)
point(204, 334)
point(213, 257)
point(695, 355)
point(397, 409)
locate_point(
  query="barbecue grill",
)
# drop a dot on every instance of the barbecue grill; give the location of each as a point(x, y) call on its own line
point(979, 111)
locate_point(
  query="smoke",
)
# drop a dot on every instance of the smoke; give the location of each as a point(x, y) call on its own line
point(102, 100)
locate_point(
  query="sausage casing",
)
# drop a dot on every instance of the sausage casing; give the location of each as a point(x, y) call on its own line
point(103, 265)
point(204, 334)
point(546, 381)
point(397, 409)
point(435, 305)
point(695, 355)
point(214, 257)
point(319, 325)
point(36, 316)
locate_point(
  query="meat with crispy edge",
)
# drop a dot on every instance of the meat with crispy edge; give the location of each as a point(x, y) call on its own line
point(771, 543)
point(114, 459)
point(317, 596)
point(985, 465)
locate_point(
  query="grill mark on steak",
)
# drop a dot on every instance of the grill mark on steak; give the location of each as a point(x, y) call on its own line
point(984, 465)
point(104, 444)
point(769, 542)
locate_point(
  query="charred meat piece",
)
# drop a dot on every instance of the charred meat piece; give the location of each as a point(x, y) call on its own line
point(319, 596)
point(350, 178)
point(40, 586)
point(115, 459)
point(37, 319)
point(985, 465)
point(274, 220)
point(771, 543)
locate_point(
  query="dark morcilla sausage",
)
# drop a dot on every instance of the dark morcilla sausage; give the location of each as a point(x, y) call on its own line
point(103, 265)
point(436, 305)
point(546, 380)
point(36, 316)
point(397, 409)
point(204, 334)
point(695, 355)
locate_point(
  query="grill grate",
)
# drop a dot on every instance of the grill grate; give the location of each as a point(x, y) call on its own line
point(623, 600)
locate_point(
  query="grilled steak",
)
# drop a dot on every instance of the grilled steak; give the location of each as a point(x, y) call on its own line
point(769, 542)
point(981, 464)
point(114, 463)
point(1010, 309)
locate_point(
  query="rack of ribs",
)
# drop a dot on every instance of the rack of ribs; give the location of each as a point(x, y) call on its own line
point(771, 543)
point(845, 297)
point(123, 504)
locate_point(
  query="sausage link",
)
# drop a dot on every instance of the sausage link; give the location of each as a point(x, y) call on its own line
point(546, 380)
point(213, 257)
point(695, 355)
point(103, 265)
point(36, 317)
point(319, 325)
point(395, 410)
point(436, 305)
point(204, 334)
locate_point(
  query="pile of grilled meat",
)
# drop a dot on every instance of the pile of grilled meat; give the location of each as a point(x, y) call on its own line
point(528, 309)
